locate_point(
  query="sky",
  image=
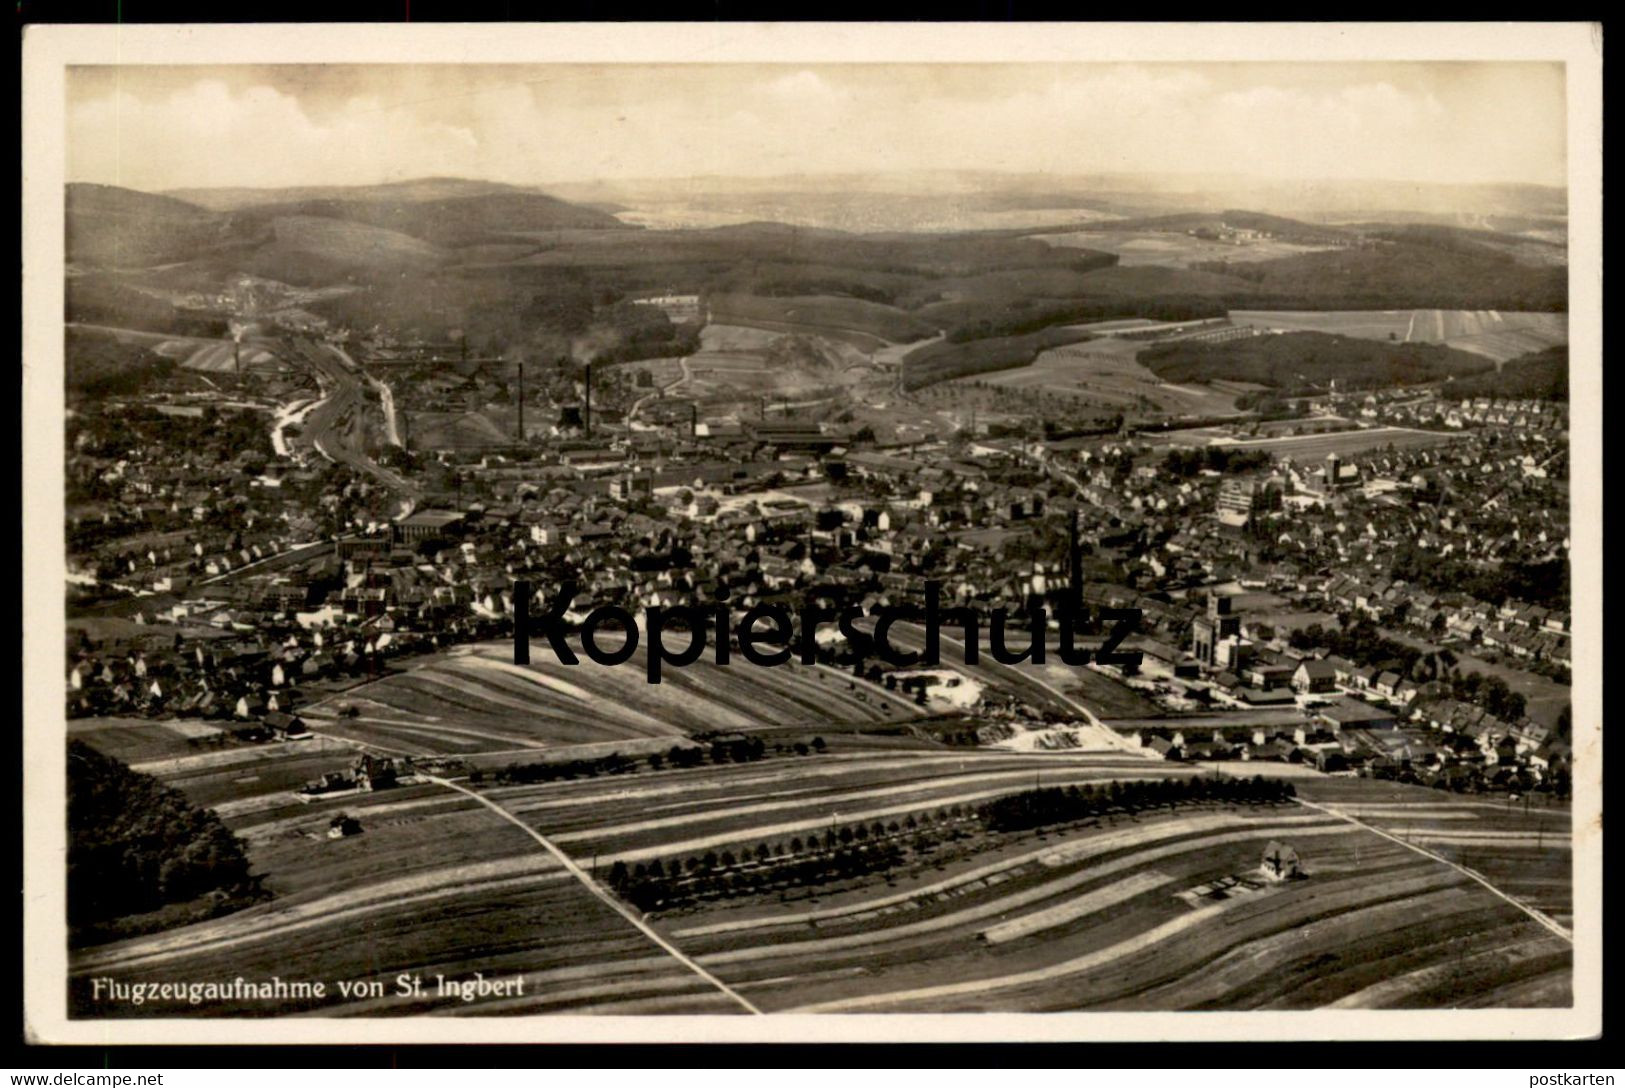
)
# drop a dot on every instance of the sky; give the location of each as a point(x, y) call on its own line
point(169, 127)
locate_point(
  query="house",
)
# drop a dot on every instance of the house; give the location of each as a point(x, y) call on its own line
point(1281, 862)
point(1163, 747)
point(1315, 676)
point(1387, 683)
point(286, 726)
point(1343, 670)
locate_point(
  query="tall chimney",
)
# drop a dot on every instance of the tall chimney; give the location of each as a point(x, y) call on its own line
point(237, 357)
point(586, 415)
point(521, 622)
point(1075, 555)
point(693, 421)
point(521, 404)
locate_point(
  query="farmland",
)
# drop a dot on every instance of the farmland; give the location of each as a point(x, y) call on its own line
point(1522, 847)
point(219, 357)
point(738, 363)
point(1106, 372)
point(1116, 911)
point(1491, 333)
point(1114, 916)
point(1175, 249)
point(474, 700)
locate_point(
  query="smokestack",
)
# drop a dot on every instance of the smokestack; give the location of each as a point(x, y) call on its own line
point(761, 407)
point(1075, 555)
point(521, 403)
point(521, 622)
point(693, 421)
point(237, 357)
point(586, 415)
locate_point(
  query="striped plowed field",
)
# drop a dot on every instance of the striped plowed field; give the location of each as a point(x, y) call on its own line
point(436, 883)
point(635, 820)
point(466, 703)
point(1302, 944)
point(1527, 853)
point(1110, 913)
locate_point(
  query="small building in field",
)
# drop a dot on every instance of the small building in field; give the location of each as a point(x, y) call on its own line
point(1281, 862)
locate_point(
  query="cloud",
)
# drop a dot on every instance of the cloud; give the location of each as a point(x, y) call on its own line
point(211, 134)
point(582, 122)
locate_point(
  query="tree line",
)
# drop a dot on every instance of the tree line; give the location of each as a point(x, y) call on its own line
point(1043, 807)
point(1190, 462)
point(850, 851)
point(720, 750)
point(867, 848)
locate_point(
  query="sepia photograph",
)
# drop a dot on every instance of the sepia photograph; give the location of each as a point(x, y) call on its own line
point(640, 532)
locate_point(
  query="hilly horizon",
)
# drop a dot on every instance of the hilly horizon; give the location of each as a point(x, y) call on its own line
point(422, 222)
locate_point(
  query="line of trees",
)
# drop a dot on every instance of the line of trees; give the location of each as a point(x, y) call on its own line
point(864, 849)
point(1188, 462)
point(851, 851)
point(1361, 642)
point(1037, 808)
point(720, 750)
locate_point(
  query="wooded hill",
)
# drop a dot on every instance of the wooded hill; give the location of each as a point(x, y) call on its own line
point(1302, 360)
point(136, 845)
point(1541, 375)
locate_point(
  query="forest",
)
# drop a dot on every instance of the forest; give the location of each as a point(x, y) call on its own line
point(1541, 375)
point(1303, 360)
point(137, 846)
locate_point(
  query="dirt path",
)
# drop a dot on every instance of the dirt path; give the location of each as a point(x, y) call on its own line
point(1545, 921)
point(592, 885)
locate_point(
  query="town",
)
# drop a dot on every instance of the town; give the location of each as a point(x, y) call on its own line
point(1347, 591)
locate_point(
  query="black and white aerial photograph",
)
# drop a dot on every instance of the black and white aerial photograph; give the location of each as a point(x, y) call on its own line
point(631, 541)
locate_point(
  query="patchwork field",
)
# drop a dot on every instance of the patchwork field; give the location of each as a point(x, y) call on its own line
point(1492, 333)
point(1124, 915)
point(1142, 909)
point(140, 740)
point(743, 362)
point(220, 356)
point(1105, 372)
point(1523, 847)
point(474, 700)
point(1174, 249)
